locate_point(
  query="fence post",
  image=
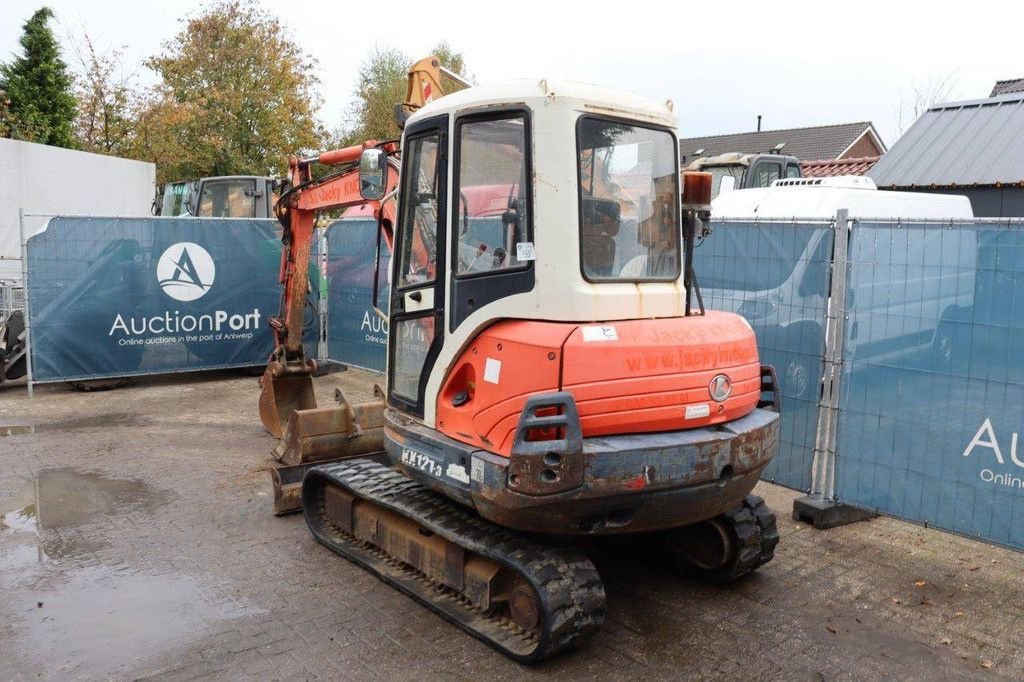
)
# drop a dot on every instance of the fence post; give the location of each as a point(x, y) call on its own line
point(28, 318)
point(820, 506)
point(322, 347)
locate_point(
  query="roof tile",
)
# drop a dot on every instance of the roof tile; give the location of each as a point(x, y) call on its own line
point(825, 168)
point(817, 142)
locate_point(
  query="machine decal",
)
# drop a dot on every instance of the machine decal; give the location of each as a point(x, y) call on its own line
point(477, 470)
point(420, 461)
point(600, 334)
point(525, 251)
point(492, 370)
point(458, 472)
point(698, 411)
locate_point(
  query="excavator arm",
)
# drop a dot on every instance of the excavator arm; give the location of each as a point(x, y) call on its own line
point(287, 382)
point(309, 434)
point(424, 87)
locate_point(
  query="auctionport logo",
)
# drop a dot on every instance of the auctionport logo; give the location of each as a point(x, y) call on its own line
point(185, 271)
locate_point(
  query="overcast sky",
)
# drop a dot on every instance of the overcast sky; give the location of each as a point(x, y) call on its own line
point(723, 63)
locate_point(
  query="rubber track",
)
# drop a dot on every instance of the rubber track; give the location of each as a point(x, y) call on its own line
point(756, 536)
point(570, 590)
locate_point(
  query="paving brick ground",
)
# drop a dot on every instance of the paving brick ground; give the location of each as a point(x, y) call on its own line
point(136, 540)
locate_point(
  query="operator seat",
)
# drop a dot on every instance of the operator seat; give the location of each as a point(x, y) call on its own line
point(601, 219)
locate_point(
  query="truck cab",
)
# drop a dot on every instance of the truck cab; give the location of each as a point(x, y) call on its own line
point(229, 196)
point(746, 171)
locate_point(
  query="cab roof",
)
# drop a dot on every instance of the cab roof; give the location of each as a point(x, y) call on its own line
point(540, 93)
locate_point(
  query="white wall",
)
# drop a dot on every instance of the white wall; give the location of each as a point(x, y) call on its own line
point(55, 181)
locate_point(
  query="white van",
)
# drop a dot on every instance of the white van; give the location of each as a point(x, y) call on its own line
point(900, 290)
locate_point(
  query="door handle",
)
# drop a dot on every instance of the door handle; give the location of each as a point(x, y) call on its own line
point(416, 296)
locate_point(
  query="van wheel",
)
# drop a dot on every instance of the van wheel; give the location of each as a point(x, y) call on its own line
point(942, 347)
point(799, 378)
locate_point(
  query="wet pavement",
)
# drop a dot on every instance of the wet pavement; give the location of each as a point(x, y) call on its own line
point(136, 540)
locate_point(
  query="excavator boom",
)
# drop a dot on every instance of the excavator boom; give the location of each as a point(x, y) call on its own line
point(287, 382)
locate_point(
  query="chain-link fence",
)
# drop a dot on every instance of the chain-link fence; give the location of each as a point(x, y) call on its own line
point(112, 297)
point(932, 397)
point(12, 297)
point(776, 275)
point(356, 334)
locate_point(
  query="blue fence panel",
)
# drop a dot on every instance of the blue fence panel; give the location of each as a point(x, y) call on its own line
point(356, 335)
point(933, 384)
point(776, 275)
point(126, 296)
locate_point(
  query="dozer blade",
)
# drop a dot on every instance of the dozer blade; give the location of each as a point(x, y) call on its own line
point(527, 598)
point(281, 395)
point(325, 434)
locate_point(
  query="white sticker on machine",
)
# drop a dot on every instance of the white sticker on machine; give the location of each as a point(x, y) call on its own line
point(600, 333)
point(458, 472)
point(525, 251)
point(697, 411)
point(477, 470)
point(492, 370)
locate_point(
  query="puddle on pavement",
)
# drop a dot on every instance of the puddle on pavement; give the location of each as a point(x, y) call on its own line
point(73, 617)
point(101, 621)
point(17, 429)
point(103, 421)
point(48, 512)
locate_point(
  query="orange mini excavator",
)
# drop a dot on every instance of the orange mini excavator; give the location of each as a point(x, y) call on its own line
point(551, 372)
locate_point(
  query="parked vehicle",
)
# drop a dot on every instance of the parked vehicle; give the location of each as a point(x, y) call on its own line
point(230, 196)
point(746, 171)
point(781, 280)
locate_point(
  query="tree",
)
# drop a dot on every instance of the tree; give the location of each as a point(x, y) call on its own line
point(923, 96)
point(39, 106)
point(382, 84)
point(236, 97)
point(106, 97)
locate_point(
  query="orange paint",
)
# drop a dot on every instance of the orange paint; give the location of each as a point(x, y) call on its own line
point(641, 380)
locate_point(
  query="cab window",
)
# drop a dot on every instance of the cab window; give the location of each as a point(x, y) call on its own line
point(228, 199)
point(765, 173)
point(628, 200)
point(492, 210)
point(792, 170)
point(417, 253)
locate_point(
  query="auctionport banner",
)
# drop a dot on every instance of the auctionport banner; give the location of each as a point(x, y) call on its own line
point(356, 335)
point(124, 296)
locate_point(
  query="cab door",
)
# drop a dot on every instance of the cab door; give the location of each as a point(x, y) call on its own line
point(416, 320)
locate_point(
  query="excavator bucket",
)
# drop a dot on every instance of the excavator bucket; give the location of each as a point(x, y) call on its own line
point(281, 395)
point(325, 434)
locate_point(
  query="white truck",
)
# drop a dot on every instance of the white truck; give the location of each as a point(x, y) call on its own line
point(780, 282)
point(44, 181)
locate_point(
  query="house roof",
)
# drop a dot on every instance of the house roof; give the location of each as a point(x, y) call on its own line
point(1007, 87)
point(824, 168)
point(959, 144)
point(817, 142)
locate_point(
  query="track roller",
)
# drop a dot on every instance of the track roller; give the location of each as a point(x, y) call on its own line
point(525, 598)
point(727, 547)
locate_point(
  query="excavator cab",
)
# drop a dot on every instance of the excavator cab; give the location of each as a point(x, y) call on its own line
point(540, 301)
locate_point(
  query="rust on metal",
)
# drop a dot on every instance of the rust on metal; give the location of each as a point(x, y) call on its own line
point(282, 393)
point(401, 538)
